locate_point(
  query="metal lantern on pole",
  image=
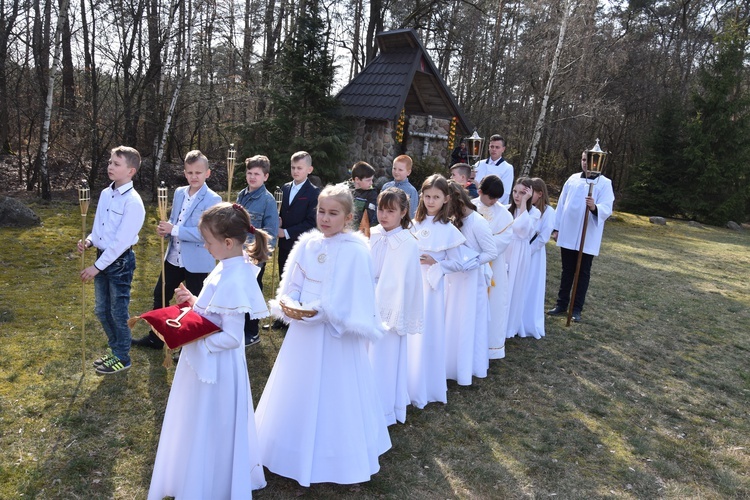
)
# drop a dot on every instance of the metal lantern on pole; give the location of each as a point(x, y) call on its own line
point(595, 160)
point(84, 200)
point(231, 155)
point(474, 146)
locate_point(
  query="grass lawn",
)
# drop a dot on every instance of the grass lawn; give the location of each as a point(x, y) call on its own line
point(649, 397)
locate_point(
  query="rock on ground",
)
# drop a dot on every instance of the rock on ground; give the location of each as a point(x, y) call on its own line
point(13, 213)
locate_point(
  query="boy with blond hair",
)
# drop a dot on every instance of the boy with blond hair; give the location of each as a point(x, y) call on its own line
point(401, 171)
point(186, 259)
point(118, 220)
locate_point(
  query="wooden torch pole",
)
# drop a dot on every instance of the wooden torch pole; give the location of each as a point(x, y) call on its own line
point(84, 199)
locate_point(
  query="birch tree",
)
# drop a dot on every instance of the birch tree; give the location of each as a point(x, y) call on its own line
point(44, 141)
point(567, 9)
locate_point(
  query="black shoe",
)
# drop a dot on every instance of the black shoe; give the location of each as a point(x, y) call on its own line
point(276, 325)
point(252, 340)
point(149, 340)
point(112, 365)
point(557, 311)
point(576, 316)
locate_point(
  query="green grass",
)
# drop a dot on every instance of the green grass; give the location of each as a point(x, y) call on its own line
point(648, 398)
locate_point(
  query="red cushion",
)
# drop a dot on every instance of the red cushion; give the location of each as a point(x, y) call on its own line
point(179, 325)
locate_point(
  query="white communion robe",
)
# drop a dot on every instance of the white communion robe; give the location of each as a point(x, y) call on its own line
point(517, 256)
point(572, 205)
point(467, 313)
point(398, 295)
point(208, 447)
point(426, 352)
point(320, 418)
point(532, 320)
point(501, 225)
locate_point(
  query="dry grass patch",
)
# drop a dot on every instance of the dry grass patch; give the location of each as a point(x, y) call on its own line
point(648, 398)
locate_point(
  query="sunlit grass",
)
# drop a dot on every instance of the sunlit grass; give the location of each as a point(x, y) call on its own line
point(647, 398)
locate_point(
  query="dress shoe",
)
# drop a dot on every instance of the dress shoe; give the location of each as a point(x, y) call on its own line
point(557, 311)
point(576, 316)
point(149, 340)
point(276, 325)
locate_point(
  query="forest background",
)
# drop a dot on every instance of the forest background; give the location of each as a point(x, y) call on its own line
point(662, 83)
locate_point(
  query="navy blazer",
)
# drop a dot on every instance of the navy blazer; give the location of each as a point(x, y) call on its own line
point(195, 257)
point(299, 216)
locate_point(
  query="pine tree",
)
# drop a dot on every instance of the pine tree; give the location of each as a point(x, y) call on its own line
point(717, 170)
point(303, 114)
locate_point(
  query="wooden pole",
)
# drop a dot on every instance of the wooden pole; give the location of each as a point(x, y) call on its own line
point(230, 170)
point(84, 199)
point(162, 198)
point(278, 196)
point(580, 257)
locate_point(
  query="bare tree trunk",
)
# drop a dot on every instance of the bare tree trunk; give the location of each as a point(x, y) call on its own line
point(182, 64)
point(44, 142)
point(7, 22)
point(567, 8)
point(374, 26)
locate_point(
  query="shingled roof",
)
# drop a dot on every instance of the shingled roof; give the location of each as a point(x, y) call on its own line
point(402, 75)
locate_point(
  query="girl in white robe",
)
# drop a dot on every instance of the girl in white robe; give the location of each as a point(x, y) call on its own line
point(518, 252)
point(501, 224)
point(208, 447)
point(440, 246)
point(467, 313)
point(533, 312)
point(398, 294)
point(320, 418)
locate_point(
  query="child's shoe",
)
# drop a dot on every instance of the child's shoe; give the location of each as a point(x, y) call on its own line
point(255, 339)
point(112, 365)
point(100, 361)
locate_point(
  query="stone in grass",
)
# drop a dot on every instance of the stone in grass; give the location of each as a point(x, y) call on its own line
point(661, 221)
point(13, 213)
point(734, 226)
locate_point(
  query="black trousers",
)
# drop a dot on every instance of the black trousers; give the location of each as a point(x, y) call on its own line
point(175, 275)
point(251, 325)
point(569, 262)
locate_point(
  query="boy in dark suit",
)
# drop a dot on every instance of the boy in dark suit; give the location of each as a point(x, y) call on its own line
point(298, 204)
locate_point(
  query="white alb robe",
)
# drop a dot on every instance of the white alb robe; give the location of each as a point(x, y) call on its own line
point(532, 320)
point(501, 225)
point(398, 294)
point(426, 352)
point(320, 418)
point(517, 256)
point(208, 447)
point(571, 207)
point(467, 314)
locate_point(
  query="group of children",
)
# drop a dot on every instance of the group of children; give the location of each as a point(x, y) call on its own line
point(432, 295)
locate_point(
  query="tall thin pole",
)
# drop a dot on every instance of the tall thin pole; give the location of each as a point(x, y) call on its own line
point(278, 195)
point(230, 170)
point(84, 199)
point(161, 195)
point(580, 258)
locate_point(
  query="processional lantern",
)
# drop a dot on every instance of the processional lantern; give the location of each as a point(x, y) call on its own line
point(595, 160)
point(474, 147)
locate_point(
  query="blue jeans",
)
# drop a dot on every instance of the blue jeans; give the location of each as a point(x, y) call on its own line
point(112, 292)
